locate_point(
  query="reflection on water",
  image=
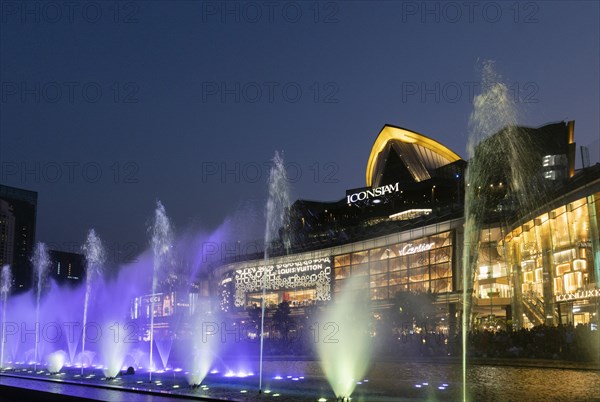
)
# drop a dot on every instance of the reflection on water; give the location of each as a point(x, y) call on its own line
point(486, 383)
point(519, 384)
point(298, 381)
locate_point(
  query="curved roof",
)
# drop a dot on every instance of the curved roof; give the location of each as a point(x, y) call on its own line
point(419, 153)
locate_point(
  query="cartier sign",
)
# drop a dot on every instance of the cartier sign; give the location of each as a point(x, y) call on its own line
point(410, 249)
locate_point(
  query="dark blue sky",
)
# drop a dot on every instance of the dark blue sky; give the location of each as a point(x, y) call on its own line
point(104, 109)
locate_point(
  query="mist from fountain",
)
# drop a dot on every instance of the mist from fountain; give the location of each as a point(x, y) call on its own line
point(95, 258)
point(204, 346)
point(41, 263)
point(162, 243)
point(5, 285)
point(277, 209)
point(114, 349)
point(344, 348)
point(55, 361)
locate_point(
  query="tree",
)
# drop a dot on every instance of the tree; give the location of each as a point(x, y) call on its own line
point(282, 320)
point(254, 314)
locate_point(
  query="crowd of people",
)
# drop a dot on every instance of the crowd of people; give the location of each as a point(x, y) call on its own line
point(565, 342)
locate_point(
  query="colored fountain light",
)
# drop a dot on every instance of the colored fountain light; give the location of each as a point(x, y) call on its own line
point(162, 243)
point(206, 344)
point(95, 257)
point(342, 338)
point(5, 285)
point(346, 354)
point(41, 262)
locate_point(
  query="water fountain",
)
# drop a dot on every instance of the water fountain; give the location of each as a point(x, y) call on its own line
point(95, 257)
point(343, 340)
point(204, 346)
point(41, 262)
point(493, 110)
point(56, 360)
point(278, 205)
point(5, 284)
point(162, 242)
point(345, 352)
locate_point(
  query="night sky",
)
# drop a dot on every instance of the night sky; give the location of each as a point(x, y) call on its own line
point(107, 107)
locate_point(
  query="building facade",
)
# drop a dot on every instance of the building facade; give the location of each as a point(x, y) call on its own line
point(536, 261)
point(18, 213)
point(66, 267)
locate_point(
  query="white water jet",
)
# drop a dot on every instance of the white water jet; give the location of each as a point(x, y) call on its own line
point(493, 110)
point(86, 357)
point(114, 349)
point(56, 361)
point(162, 243)
point(344, 344)
point(205, 346)
point(163, 346)
point(5, 286)
point(41, 262)
point(277, 209)
point(95, 257)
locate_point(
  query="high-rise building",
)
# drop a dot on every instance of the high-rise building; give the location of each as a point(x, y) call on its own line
point(67, 267)
point(18, 210)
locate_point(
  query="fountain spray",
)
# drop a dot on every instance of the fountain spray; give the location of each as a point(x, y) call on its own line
point(4, 290)
point(41, 262)
point(277, 207)
point(162, 242)
point(95, 257)
point(494, 109)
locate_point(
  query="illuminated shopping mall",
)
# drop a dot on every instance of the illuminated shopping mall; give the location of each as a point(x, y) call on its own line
point(404, 231)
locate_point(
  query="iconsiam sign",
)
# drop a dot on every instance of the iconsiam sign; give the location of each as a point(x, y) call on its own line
point(293, 275)
point(372, 193)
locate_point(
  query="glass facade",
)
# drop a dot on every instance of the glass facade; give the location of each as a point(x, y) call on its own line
point(421, 265)
point(553, 265)
point(491, 278)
